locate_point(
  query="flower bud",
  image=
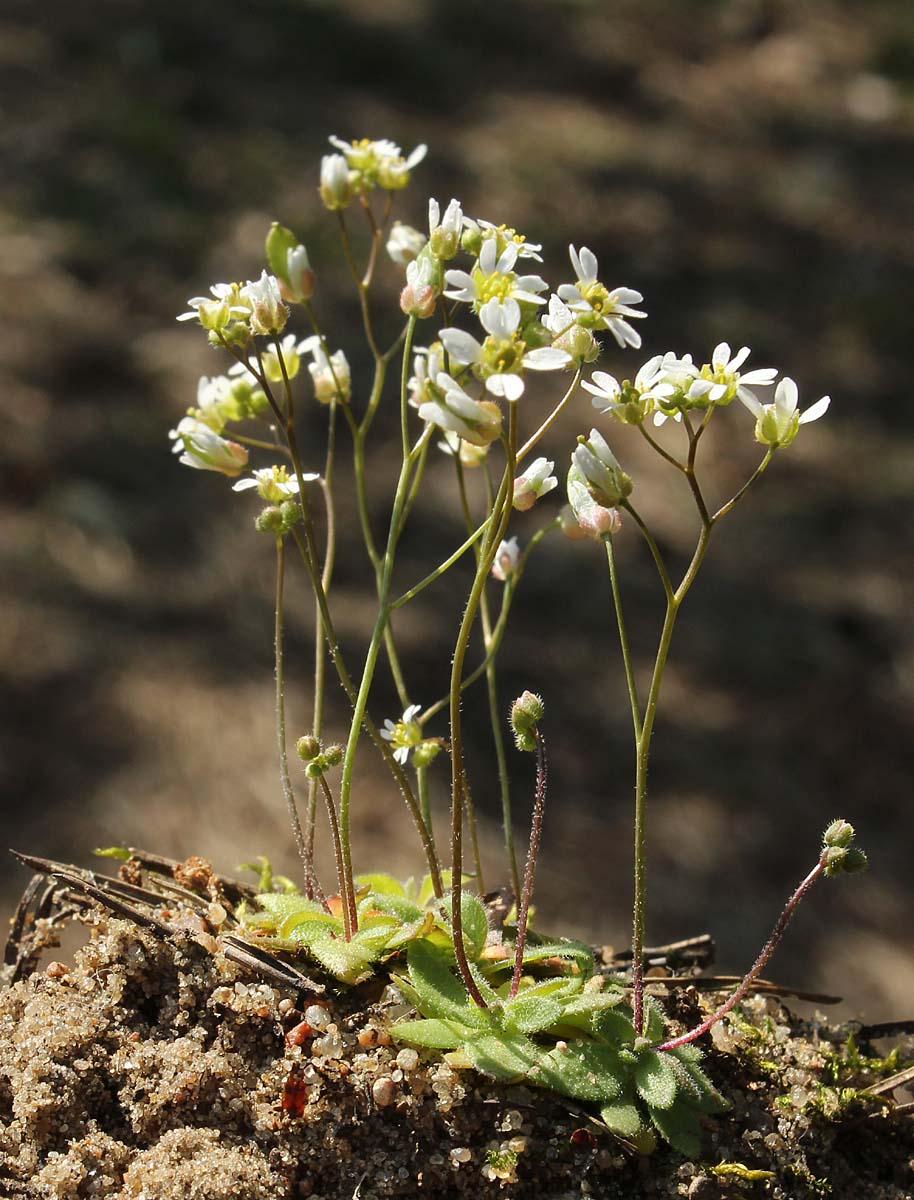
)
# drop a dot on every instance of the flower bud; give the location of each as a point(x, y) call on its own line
point(268, 313)
point(426, 753)
point(607, 483)
point(507, 556)
point(308, 747)
point(271, 521)
point(419, 297)
point(291, 513)
point(207, 451)
point(593, 519)
point(336, 184)
point(444, 233)
point(526, 713)
point(839, 833)
point(301, 278)
point(333, 755)
point(536, 481)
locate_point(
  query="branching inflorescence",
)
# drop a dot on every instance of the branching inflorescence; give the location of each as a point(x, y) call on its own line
point(530, 1009)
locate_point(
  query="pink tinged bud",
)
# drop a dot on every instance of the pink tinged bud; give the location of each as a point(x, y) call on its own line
point(536, 481)
point(206, 451)
point(506, 559)
point(302, 280)
point(418, 301)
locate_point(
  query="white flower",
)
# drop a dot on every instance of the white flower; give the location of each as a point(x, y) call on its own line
point(679, 374)
point(428, 363)
point(444, 233)
point(404, 735)
point(568, 334)
point(420, 295)
point(603, 308)
point(494, 277)
point(584, 517)
point(479, 231)
point(777, 424)
point(301, 274)
point(336, 181)
point(630, 401)
point(225, 304)
point(331, 376)
point(268, 313)
point(607, 483)
point(273, 484)
point(214, 397)
point(476, 421)
point(501, 360)
point(205, 450)
point(536, 481)
point(507, 556)
point(379, 163)
point(404, 243)
point(721, 381)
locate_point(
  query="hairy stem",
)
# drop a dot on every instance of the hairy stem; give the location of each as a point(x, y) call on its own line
point(347, 890)
point(536, 830)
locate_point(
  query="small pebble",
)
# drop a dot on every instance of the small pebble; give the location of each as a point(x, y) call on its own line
point(461, 1154)
point(366, 1037)
point(384, 1091)
point(317, 1016)
point(408, 1059)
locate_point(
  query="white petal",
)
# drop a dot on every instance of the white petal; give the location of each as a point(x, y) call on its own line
point(815, 410)
point(575, 262)
point(509, 386)
point(720, 355)
point(589, 265)
point(699, 388)
point(786, 397)
point(506, 259)
point(718, 391)
point(750, 402)
point(762, 375)
point(417, 156)
point(568, 292)
point(434, 215)
point(739, 358)
point(488, 254)
point(606, 385)
point(547, 358)
point(243, 484)
point(460, 345)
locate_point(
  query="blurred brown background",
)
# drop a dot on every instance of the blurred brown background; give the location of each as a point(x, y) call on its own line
point(747, 164)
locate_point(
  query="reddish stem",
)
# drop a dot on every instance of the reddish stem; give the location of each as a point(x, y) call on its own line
point(756, 968)
point(536, 829)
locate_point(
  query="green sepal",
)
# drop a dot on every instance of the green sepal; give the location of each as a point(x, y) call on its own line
point(655, 1079)
point(433, 1033)
point(278, 244)
point(679, 1125)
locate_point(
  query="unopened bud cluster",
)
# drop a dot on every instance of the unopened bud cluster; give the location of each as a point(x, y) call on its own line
point(317, 758)
point(840, 855)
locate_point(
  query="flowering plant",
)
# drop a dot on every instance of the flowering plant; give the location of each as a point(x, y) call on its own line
point(497, 999)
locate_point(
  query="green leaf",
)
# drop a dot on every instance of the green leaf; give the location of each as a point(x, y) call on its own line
point(306, 928)
point(427, 890)
point(408, 933)
point(475, 922)
point(281, 905)
point(347, 961)
point(615, 1025)
point(623, 1118)
point(382, 885)
point(503, 1056)
point(702, 1094)
point(680, 1126)
point(581, 1010)
point(655, 1019)
point(531, 1014)
point(584, 1070)
point(119, 852)
point(279, 242)
point(438, 990)
point(655, 1079)
point(580, 954)
point(433, 1034)
point(396, 906)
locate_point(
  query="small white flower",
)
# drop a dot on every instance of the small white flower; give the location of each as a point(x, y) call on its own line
point(404, 243)
point(777, 424)
point(630, 401)
point(379, 162)
point(501, 360)
point(331, 376)
point(568, 334)
point(679, 374)
point(537, 480)
point(224, 305)
point(476, 421)
point(607, 483)
point(273, 484)
point(405, 734)
point(494, 277)
point(444, 233)
point(603, 308)
point(479, 231)
point(205, 450)
point(268, 313)
point(507, 556)
point(721, 380)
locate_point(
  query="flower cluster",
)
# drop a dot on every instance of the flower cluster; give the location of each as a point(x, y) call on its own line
point(362, 166)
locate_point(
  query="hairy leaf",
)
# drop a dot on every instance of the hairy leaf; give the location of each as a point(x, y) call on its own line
point(584, 1070)
point(396, 906)
point(655, 1079)
point(306, 928)
point(432, 1033)
point(680, 1126)
point(580, 954)
point(531, 1014)
point(503, 1056)
point(348, 961)
point(382, 885)
point(282, 905)
point(438, 991)
point(623, 1118)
